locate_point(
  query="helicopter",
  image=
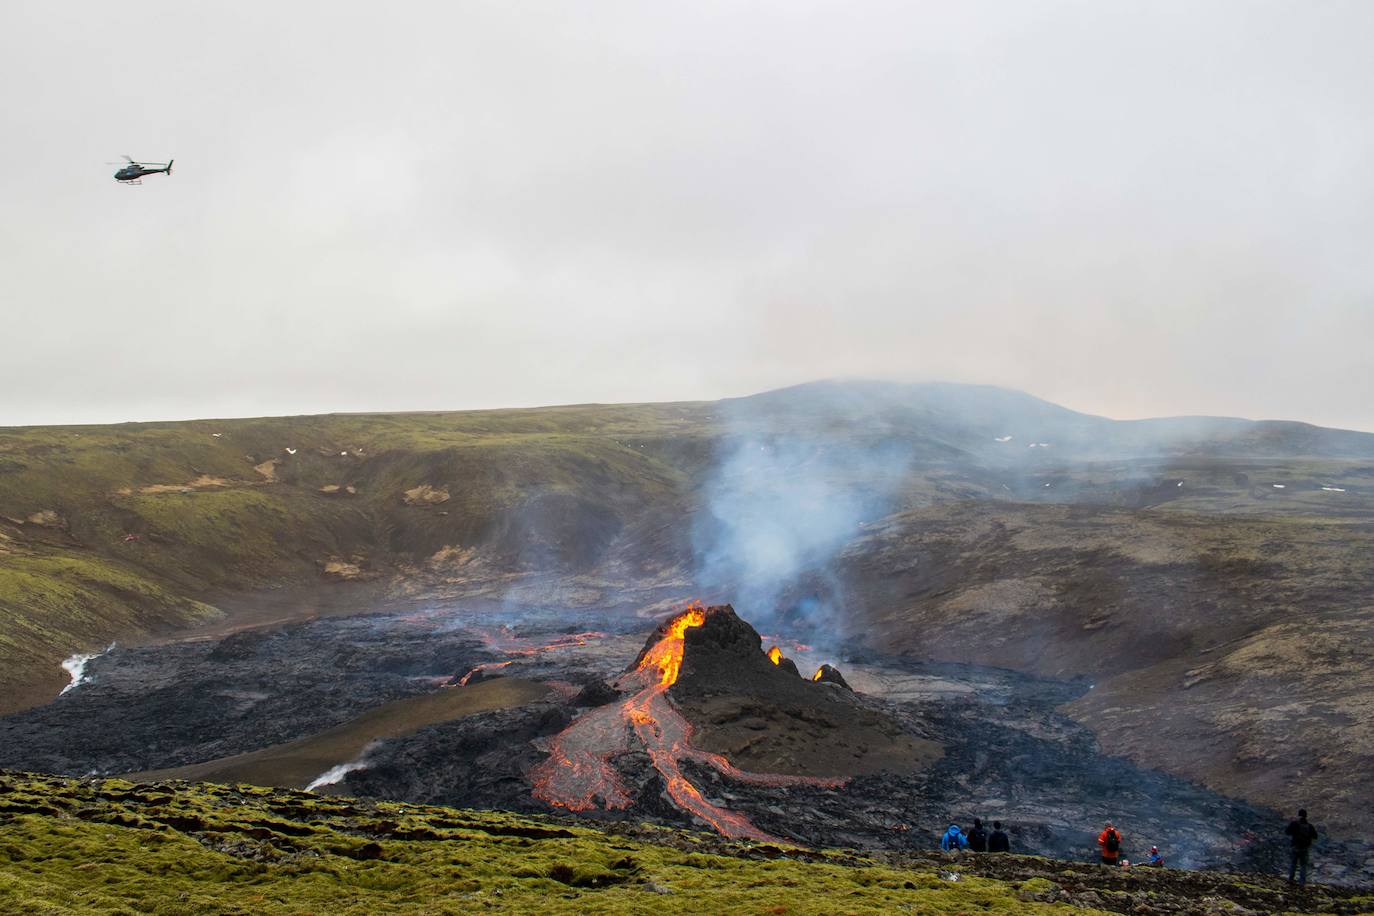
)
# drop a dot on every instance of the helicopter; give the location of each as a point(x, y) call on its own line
point(135, 170)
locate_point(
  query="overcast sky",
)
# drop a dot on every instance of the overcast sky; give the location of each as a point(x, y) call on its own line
point(1129, 208)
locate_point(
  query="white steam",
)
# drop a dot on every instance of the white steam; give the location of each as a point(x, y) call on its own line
point(336, 773)
point(75, 666)
point(780, 506)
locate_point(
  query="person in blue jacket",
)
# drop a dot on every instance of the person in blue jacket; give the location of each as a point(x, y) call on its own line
point(953, 840)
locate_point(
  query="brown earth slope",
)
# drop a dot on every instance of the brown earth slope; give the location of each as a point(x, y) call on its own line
point(1236, 651)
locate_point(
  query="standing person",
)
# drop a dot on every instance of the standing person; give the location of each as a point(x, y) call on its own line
point(953, 840)
point(1302, 835)
point(978, 836)
point(998, 841)
point(1110, 841)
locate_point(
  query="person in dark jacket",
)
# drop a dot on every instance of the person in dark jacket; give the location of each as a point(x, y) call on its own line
point(998, 841)
point(1302, 835)
point(978, 836)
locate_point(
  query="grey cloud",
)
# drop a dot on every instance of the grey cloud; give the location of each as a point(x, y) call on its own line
point(1130, 208)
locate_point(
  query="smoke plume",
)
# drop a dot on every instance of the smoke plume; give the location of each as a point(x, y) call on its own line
point(788, 491)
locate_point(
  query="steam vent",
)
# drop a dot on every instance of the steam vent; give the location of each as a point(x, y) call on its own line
point(704, 691)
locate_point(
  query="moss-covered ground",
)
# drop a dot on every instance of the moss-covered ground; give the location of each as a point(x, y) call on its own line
point(114, 847)
point(110, 846)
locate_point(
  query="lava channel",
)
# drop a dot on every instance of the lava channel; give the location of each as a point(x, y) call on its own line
point(570, 641)
point(578, 774)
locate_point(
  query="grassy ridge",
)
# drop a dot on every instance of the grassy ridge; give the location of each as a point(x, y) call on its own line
point(110, 846)
point(113, 847)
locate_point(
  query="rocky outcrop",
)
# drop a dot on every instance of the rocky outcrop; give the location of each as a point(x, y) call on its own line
point(827, 674)
point(46, 518)
point(425, 495)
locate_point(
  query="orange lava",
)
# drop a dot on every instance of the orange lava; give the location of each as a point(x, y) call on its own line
point(578, 774)
point(569, 641)
point(775, 655)
point(667, 652)
point(817, 675)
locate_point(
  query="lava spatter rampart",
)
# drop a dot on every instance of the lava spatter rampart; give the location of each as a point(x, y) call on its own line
point(578, 774)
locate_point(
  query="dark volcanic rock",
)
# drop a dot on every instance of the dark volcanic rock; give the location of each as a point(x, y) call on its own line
point(163, 706)
point(829, 675)
point(475, 761)
point(765, 718)
point(237, 647)
point(596, 693)
point(786, 664)
point(1008, 751)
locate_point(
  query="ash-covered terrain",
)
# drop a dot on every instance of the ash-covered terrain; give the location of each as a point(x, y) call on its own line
point(689, 723)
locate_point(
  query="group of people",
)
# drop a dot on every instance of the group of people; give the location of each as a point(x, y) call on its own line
point(1301, 835)
point(1109, 841)
point(978, 839)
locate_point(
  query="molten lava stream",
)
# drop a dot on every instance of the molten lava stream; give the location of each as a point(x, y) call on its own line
point(578, 774)
point(570, 641)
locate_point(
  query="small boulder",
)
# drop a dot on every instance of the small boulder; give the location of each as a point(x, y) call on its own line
point(366, 852)
point(596, 693)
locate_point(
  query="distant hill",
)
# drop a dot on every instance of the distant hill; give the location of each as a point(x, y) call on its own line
point(987, 422)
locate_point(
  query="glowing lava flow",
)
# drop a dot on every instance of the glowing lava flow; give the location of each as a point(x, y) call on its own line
point(578, 774)
point(562, 642)
point(775, 655)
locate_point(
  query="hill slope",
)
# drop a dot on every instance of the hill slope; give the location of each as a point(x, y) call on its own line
point(1210, 575)
point(183, 848)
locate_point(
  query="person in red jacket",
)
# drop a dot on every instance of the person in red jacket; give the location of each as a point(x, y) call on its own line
point(1110, 841)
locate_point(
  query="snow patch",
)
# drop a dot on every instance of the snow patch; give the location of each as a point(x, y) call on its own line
point(1002, 439)
point(1279, 486)
point(1334, 489)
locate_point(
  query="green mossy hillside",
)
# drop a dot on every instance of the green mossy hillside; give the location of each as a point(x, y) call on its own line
point(115, 847)
point(72, 846)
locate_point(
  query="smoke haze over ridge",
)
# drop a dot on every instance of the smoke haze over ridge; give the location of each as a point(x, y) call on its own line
point(1130, 209)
